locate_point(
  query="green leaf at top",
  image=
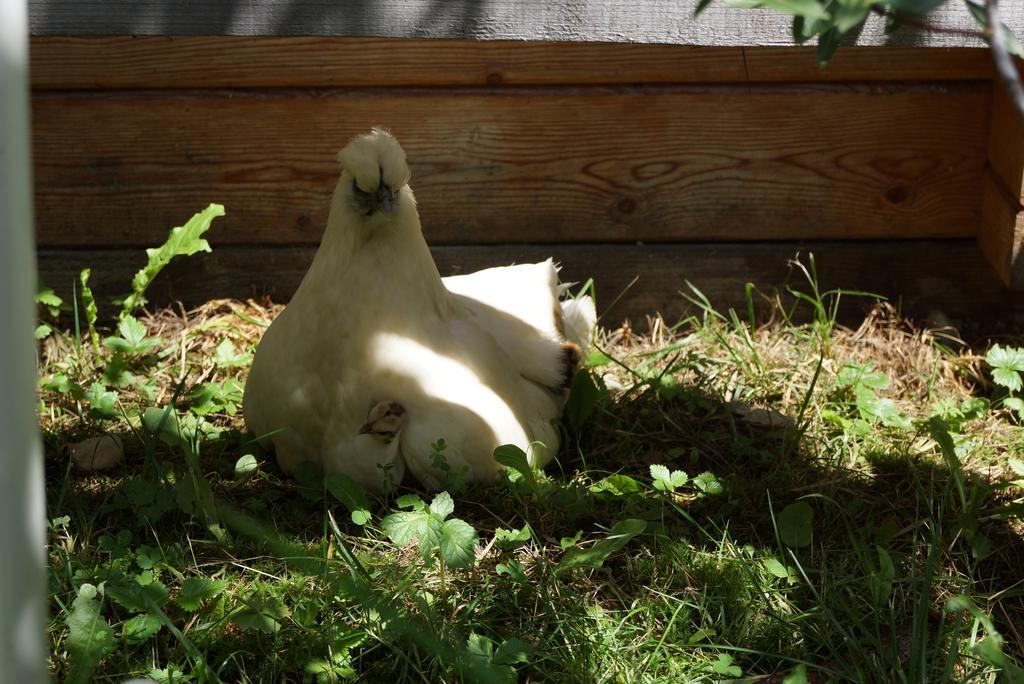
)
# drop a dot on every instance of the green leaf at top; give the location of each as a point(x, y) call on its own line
point(195, 590)
point(1013, 45)
point(598, 553)
point(404, 527)
point(1007, 365)
point(89, 635)
point(182, 241)
point(583, 397)
point(912, 7)
point(245, 467)
point(457, 540)
point(442, 505)
point(511, 456)
point(665, 480)
point(794, 523)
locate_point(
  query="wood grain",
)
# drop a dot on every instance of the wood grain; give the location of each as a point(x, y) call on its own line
point(274, 62)
point(868, 63)
point(621, 21)
point(931, 280)
point(1001, 233)
point(594, 164)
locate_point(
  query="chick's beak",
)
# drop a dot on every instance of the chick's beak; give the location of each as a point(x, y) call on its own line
point(384, 199)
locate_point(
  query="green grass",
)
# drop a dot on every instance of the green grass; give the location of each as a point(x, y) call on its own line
point(874, 536)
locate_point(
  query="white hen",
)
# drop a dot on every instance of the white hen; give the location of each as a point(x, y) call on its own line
point(377, 357)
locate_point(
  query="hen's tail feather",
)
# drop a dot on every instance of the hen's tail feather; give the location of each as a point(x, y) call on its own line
point(579, 317)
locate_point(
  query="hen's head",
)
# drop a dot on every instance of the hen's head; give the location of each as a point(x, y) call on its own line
point(374, 167)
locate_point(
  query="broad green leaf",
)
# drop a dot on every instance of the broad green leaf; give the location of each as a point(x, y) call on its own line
point(665, 480)
point(514, 569)
point(245, 467)
point(132, 594)
point(442, 505)
point(1007, 365)
point(432, 534)
point(91, 313)
point(47, 298)
point(794, 523)
point(708, 483)
point(799, 673)
point(226, 356)
point(595, 555)
point(163, 424)
point(412, 501)
point(195, 590)
point(724, 666)
point(457, 541)
point(848, 13)
point(912, 7)
point(350, 494)
point(776, 568)
point(852, 374)
point(89, 636)
point(616, 485)
point(404, 527)
point(511, 539)
point(597, 359)
point(182, 241)
point(513, 652)
point(1015, 404)
point(263, 615)
point(511, 456)
point(43, 331)
point(101, 401)
point(884, 411)
point(583, 396)
point(140, 628)
point(881, 581)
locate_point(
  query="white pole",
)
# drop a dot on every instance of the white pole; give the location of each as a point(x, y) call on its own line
point(22, 556)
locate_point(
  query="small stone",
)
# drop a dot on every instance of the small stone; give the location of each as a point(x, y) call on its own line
point(759, 417)
point(96, 453)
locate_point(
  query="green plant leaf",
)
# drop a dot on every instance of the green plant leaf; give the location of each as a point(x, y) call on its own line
point(262, 615)
point(616, 485)
point(853, 374)
point(665, 480)
point(457, 540)
point(708, 483)
point(245, 467)
point(794, 523)
point(513, 652)
point(512, 539)
point(43, 331)
point(724, 666)
point(511, 456)
point(1015, 404)
point(442, 505)
point(799, 673)
point(351, 495)
point(182, 241)
point(595, 555)
point(912, 7)
point(101, 401)
point(89, 635)
point(133, 595)
point(1007, 365)
point(404, 527)
point(583, 396)
point(140, 628)
point(195, 590)
point(514, 569)
point(1013, 45)
point(848, 13)
point(89, 304)
point(884, 411)
point(776, 568)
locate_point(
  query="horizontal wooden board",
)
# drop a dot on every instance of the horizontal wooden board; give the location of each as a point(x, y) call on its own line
point(627, 21)
point(594, 164)
point(931, 280)
point(274, 62)
point(868, 63)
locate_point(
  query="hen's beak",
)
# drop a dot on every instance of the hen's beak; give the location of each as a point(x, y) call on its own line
point(384, 199)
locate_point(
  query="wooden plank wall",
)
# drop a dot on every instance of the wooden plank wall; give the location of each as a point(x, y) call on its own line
point(511, 144)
